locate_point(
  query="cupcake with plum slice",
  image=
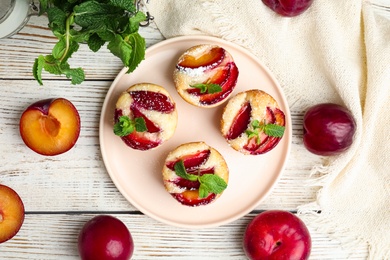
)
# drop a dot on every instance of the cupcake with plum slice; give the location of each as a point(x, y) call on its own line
point(145, 116)
point(252, 122)
point(195, 174)
point(205, 75)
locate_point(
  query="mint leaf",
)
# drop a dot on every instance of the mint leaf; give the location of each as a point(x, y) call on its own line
point(209, 183)
point(138, 47)
point(180, 171)
point(95, 22)
point(51, 65)
point(57, 20)
point(140, 124)
point(256, 124)
point(123, 4)
point(106, 35)
point(43, 5)
point(92, 15)
point(214, 88)
point(201, 87)
point(203, 192)
point(37, 69)
point(95, 42)
point(79, 36)
point(70, 48)
point(269, 129)
point(209, 88)
point(130, 50)
point(252, 133)
point(274, 130)
point(212, 183)
point(60, 48)
point(120, 48)
point(126, 126)
point(76, 75)
point(134, 22)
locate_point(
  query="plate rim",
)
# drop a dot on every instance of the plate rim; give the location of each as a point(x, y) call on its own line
point(237, 215)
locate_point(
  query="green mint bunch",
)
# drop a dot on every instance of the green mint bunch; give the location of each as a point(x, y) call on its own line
point(269, 129)
point(94, 22)
point(209, 183)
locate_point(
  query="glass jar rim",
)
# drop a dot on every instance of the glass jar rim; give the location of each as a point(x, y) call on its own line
point(6, 8)
point(16, 19)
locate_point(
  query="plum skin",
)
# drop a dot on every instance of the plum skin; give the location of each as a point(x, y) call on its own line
point(277, 234)
point(50, 126)
point(105, 237)
point(12, 213)
point(288, 8)
point(328, 129)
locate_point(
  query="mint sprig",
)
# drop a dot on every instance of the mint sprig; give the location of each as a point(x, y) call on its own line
point(126, 126)
point(209, 88)
point(269, 129)
point(209, 183)
point(94, 22)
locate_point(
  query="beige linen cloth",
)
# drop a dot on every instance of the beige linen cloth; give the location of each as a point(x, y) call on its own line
point(337, 51)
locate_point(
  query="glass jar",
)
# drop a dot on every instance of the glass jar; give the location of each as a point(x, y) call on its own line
point(14, 14)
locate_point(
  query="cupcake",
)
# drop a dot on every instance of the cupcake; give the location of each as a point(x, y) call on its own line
point(205, 75)
point(145, 116)
point(195, 174)
point(252, 122)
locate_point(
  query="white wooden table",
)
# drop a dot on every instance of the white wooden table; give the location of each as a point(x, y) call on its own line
point(61, 193)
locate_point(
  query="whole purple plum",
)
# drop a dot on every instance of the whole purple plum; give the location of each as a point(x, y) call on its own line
point(288, 7)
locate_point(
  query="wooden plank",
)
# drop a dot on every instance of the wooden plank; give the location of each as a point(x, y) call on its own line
point(58, 191)
point(46, 236)
point(78, 178)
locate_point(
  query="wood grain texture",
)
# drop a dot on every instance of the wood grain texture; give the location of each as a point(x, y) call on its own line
point(78, 178)
point(61, 193)
point(48, 236)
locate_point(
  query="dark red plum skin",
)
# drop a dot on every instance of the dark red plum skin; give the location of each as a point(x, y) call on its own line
point(195, 202)
point(328, 129)
point(288, 8)
point(275, 235)
point(105, 237)
point(42, 105)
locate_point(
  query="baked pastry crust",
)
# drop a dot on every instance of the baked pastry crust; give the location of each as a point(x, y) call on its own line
point(213, 161)
point(165, 121)
point(186, 77)
point(261, 105)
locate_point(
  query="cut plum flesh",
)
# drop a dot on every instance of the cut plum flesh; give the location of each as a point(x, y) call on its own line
point(280, 118)
point(138, 141)
point(269, 142)
point(152, 128)
point(191, 198)
point(208, 60)
point(228, 84)
point(253, 144)
point(152, 101)
point(191, 161)
point(192, 185)
point(192, 164)
point(240, 122)
point(219, 78)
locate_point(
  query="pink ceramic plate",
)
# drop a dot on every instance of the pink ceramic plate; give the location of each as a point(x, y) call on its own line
point(137, 174)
